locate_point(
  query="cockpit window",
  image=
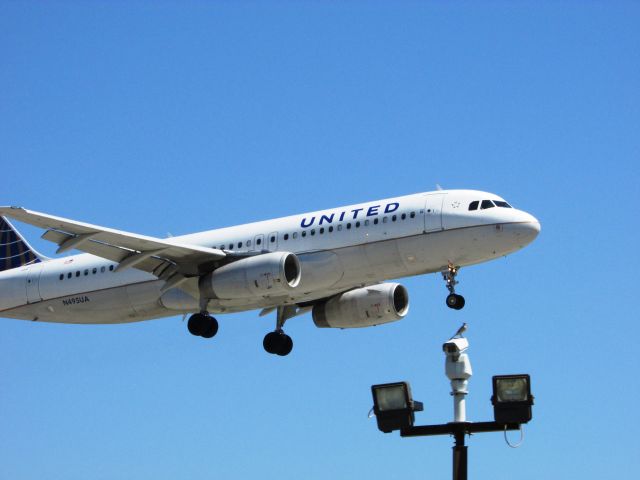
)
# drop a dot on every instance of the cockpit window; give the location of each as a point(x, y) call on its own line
point(502, 204)
point(486, 204)
point(474, 205)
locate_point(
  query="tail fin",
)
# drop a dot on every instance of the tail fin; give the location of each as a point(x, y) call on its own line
point(14, 249)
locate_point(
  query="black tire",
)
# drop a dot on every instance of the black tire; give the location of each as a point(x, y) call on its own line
point(452, 301)
point(197, 324)
point(455, 301)
point(272, 342)
point(286, 346)
point(210, 328)
point(460, 302)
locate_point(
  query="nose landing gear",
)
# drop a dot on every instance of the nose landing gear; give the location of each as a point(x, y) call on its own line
point(453, 300)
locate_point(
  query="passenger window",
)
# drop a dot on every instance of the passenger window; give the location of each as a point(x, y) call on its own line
point(222, 247)
point(321, 230)
point(111, 268)
point(102, 269)
point(313, 231)
point(258, 241)
point(339, 227)
point(248, 243)
point(330, 229)
point(94, 271)
point(474, 205)
point(375, 221)
point(413, 215)
point(295, 234)
point(304, 233)
point(366, 223)
point(486, 204)
point(273, 238)
point(86, 272)
point(239, 244)
point(78, 273)
point(61, 276)
point(286, 236)
point(357, 224)
point(403, 216)
point(69, 275)
point(384, 220)
point(394, 218)
point(349, 226)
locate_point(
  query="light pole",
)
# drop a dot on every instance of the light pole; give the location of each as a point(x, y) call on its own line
point(394, 406)
point(457, 368)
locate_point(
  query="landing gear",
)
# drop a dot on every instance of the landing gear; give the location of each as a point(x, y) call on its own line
point(278, 342)
point(454, 300)
point(202, 325)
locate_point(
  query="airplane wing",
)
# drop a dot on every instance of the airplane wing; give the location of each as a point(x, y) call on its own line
point(165, 258)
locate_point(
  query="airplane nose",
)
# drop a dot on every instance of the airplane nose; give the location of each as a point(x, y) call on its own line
point(527, 229)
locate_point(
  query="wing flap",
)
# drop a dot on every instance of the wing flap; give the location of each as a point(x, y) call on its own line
point(116, 254)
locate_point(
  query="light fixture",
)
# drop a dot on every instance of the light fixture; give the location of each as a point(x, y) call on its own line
point(512, 398)
point(393, 406)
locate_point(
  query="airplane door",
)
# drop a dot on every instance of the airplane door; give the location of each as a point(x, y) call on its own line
point(33, 283)
point(433, 212)
point(258, 243)
point(272, 240)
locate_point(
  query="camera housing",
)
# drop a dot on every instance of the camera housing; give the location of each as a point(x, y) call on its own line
point(457, 365)
point(455, 346)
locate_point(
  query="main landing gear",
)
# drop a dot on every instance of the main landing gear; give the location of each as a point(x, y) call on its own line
point(454, 300)
point(278, 342)
point(202, 325)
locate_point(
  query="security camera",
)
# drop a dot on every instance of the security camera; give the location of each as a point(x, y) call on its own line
point(457, 365)
point(455, 346)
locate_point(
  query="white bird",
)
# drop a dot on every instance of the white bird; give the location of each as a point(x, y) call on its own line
point(460, 331)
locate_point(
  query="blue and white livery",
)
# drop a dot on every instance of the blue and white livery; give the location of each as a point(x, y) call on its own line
point(333, 263)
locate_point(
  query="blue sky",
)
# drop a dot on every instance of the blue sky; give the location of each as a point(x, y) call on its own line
point(174, 117)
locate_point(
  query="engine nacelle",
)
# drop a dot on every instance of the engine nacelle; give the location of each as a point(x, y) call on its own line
point(266, 275)
point(363, 307)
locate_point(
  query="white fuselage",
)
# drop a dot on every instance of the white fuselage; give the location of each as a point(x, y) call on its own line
point(338, 249)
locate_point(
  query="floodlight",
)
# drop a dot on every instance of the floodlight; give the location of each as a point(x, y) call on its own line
point(393, 406)
point(512, 398)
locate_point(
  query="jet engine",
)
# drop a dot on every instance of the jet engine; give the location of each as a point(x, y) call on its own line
point(363, 307)
point(266, 275)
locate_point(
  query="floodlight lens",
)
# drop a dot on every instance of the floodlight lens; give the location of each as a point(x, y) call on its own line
point(391, 398)
point(512, 389)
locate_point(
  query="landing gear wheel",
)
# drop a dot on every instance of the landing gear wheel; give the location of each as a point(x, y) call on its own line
point(210, 329)
point(197, 324)
point(277, 343)
point(286, 347)
point(271, 342)
point(455, 301)
point(202, 325)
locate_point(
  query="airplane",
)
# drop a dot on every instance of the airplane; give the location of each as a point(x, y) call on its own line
point(333, 263)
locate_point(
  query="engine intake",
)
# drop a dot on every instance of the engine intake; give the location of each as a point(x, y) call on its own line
point(266, 275)
point(363, 307)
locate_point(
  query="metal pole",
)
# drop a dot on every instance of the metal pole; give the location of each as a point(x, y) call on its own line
point(459, 457)
point(459, 392)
